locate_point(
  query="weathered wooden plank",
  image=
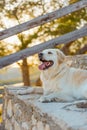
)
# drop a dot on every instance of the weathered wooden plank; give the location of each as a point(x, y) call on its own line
point(42, 19)
point(37, 48)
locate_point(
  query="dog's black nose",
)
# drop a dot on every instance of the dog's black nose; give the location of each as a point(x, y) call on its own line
point(40, 55)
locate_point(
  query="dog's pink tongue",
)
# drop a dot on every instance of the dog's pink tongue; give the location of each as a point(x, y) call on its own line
point(42, 66)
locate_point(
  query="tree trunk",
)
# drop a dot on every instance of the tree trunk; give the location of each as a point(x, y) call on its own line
point(82, 50)
point(65, 49)
point(25, 72)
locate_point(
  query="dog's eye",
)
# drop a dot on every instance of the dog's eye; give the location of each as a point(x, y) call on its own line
point(49, 52)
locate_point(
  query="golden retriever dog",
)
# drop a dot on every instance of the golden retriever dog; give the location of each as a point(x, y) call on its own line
point(60, 81)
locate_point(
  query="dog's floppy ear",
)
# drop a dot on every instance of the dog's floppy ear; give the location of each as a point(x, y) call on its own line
point(61, 56)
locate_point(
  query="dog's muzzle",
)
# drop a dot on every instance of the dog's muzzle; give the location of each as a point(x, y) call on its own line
point(45, 64)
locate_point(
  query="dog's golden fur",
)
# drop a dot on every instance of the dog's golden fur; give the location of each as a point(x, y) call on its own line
point(61, 82)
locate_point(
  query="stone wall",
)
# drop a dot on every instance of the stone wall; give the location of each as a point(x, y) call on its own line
point(24, 112)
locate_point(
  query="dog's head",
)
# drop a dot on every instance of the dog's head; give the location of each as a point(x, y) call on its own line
point(50, 58)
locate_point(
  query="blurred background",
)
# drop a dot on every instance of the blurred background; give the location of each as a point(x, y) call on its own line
point(14, 12)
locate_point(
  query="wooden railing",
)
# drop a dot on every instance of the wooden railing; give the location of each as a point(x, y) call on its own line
point(43, 19)
point(7, 60)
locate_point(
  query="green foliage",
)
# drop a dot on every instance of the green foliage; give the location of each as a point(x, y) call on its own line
point(3, 49)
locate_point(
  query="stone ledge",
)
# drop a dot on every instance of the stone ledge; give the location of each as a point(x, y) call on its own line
point(24, 112)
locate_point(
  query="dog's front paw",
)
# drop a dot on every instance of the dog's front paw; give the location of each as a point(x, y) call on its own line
point(44, 99)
